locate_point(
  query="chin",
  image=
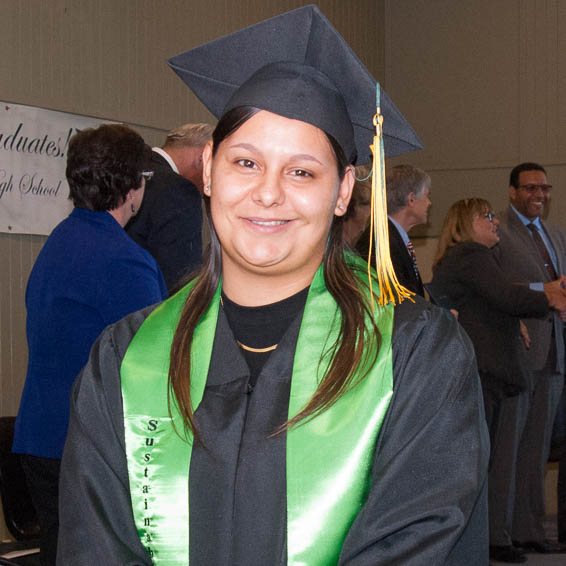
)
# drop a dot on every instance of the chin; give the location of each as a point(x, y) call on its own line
point(268, 263)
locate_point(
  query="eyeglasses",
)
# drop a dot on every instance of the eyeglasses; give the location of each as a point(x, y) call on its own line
point(490, 216)
point(147, 175)
point(531, 189)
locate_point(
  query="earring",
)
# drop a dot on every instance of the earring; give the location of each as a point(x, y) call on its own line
point(133, 208)
point(207, 189)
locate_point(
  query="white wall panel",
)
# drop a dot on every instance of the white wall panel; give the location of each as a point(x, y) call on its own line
point(484, 85)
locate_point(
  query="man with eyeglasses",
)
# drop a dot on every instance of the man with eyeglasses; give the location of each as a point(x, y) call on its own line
point(534, 251)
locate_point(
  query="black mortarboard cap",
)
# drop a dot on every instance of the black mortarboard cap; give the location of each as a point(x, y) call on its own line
point(298, 66)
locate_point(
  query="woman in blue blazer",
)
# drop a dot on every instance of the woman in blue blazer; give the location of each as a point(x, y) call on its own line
point(89, 274)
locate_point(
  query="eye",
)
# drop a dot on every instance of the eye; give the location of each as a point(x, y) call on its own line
point(301, 173)
point(247, 163)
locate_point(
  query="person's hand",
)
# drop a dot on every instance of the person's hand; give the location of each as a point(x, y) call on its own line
point(455, 313)
point(525, 335)
point(556, 293)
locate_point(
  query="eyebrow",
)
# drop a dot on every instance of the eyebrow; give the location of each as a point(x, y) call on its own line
point(307, 157)
point(247, 146)
point(253, 148)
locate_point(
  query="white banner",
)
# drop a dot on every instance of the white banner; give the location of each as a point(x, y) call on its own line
point(33, 148)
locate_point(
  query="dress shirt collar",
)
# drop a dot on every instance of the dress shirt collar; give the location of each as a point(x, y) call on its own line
point(401, 230)
point(167, 158)
point(526, 221)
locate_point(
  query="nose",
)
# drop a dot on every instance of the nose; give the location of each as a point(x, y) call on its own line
point(268, 192)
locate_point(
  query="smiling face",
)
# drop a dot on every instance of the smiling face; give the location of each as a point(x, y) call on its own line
point(274, 193)
point(485, 230)
point(527, 201)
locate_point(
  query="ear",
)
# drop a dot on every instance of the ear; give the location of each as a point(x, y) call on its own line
point(345, 191)
point(411, 199)
point(207, 163)
point(130, 194)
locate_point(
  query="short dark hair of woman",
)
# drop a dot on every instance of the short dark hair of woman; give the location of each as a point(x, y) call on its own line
point(103, 164)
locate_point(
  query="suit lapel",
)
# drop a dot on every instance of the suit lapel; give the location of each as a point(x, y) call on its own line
point(522, 233)
point(399, 250)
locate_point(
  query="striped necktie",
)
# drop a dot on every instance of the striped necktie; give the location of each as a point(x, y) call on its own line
point(543, 251)
point(411, 251)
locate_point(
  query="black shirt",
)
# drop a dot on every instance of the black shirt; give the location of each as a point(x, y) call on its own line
point(262, 327)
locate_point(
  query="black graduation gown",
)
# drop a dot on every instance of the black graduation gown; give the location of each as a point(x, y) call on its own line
point(427, 503)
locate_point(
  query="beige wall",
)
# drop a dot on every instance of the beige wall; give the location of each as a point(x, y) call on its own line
point(484, 84)
point(106, 58)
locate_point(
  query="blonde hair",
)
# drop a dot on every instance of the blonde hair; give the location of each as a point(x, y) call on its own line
point(189, 135)
point(458, 224)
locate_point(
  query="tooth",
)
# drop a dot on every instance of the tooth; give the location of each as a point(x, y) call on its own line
point(269, 222)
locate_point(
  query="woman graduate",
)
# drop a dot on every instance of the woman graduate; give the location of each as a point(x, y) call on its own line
point(272, 412)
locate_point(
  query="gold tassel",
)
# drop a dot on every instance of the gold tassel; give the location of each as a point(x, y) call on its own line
point(391, 291)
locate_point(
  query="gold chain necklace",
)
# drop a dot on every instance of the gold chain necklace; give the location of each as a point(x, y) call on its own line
point(257, 350)
point(249, 348)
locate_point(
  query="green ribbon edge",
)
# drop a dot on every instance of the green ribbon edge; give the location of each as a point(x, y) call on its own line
point(328, 458)
point(144, 375)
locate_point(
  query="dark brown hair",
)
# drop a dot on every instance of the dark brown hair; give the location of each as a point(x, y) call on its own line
point(103, 165)
point(518, 169)
point(357, 344)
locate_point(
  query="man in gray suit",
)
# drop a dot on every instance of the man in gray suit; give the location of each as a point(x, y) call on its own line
point(534, 251)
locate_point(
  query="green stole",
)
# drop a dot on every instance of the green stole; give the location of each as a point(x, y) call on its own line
point(328, 458)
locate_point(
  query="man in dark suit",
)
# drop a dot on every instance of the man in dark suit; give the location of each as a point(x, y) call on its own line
point(408, 200)
point(169, 223)
point(535, 251)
